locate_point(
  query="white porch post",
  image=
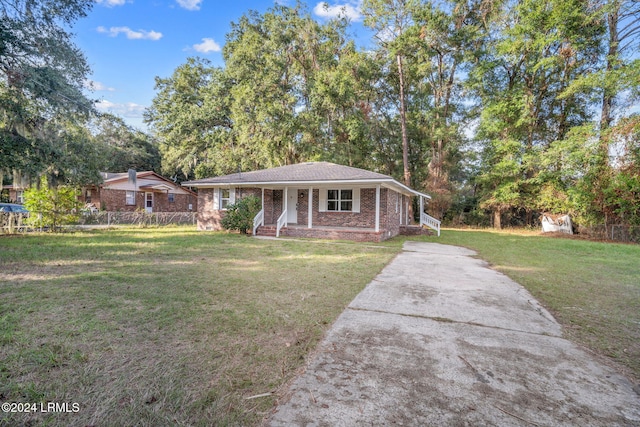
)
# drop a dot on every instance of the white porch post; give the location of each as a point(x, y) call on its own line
point(310, 212)
point(377, 208)
point(286, 203)
point(421, 210)
point(263, 206)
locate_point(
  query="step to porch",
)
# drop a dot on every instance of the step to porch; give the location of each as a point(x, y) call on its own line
point(268, 230)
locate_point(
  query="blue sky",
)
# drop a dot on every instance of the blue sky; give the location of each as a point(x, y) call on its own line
point(130, 42)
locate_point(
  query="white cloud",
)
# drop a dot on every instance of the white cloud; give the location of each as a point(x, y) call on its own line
point(349, 10)
point(131, 35)
point(127, 109)
point(90, 84)
point(207, 46)
point(111, 3)
point(190, 4)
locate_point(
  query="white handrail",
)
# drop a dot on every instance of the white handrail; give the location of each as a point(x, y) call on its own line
point(430, 222)
point(258, 220)
point(282, 221)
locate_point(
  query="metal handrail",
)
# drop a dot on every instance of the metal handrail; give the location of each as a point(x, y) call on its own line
point(258, 220)
point(430, 222)
point(282, 221)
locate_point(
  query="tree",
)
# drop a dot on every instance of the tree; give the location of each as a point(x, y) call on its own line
point(124, 147)
point(41, 76)
point(526, 64)
point(391, 20)
point(190, 115)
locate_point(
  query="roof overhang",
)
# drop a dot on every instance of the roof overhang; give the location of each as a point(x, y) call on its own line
point(156, 187)
point(387, 183)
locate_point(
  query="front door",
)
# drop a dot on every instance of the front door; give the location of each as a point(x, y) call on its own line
point(148, 202)
point(292, 206)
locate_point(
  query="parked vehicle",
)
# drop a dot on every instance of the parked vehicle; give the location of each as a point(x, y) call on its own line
point(13, 207)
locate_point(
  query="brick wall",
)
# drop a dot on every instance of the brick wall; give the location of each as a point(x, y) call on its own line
point(115, 201)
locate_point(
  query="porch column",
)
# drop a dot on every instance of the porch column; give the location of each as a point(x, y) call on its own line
point(286, 203)
point(421, 210)
point(377, 208)
point(263, 206)
point(310, 211)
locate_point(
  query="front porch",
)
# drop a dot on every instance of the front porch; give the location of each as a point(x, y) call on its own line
point(337, 233)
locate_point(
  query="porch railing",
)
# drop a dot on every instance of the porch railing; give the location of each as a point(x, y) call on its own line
point(282, 221)
point(258, 220)
point(430, 222)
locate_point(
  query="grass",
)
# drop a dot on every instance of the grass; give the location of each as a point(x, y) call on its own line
point(166, 326)
point(592, 288)
point(169, 326)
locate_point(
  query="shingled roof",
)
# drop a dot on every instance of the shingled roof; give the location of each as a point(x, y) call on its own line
point(302, 173)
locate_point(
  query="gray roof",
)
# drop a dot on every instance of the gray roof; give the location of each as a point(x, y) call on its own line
point(301, 172)
point(309, 172)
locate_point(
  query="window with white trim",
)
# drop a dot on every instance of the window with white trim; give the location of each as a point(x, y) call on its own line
point(225, 198)
point(19, 196)
point(222, 197)
point(340, 200)
point(130, 198)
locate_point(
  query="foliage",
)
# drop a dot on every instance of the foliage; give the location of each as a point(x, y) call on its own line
point(51, 207)
point(534, 92)
point(123, 147)
point(239, 215)
point(42, 75)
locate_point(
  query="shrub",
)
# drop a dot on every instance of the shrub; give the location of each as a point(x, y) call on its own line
point(240, 214)
point(51, 207)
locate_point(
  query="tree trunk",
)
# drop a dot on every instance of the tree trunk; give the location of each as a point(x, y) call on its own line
point(497, 219)
point(403, 127)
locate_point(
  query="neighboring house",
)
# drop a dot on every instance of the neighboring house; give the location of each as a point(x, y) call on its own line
point(149, 192)
point(15, 193)
point(316, 199)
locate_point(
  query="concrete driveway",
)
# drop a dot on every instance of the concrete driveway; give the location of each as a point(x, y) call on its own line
point(439, 339)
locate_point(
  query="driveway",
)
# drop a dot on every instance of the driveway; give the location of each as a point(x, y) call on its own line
point(438, 338)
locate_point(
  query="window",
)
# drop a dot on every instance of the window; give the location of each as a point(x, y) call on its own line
point(20, 196)
point(222, 197)
point(131, 198)
point(340, 200)
point(172, 198)
point(225, 198)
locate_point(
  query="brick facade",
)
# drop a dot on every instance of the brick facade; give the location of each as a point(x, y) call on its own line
point(116, 201)
point(392, 213)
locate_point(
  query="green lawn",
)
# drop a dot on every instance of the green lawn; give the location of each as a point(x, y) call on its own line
point(592, 288)
point(169, 326)
point(166, 326)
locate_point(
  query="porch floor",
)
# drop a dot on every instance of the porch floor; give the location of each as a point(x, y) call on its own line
point(324, 227)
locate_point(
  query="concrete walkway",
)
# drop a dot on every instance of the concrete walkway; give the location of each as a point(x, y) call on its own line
point(439, 339)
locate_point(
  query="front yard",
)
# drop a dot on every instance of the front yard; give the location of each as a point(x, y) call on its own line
point(165, 326)
point(169, 326)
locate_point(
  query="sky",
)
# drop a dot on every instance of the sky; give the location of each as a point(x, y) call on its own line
point(129, 42)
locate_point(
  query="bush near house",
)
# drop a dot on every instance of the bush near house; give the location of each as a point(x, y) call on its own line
point(240, 215)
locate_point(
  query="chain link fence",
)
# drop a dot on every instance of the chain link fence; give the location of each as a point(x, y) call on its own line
point(616, 232)
point(12, 222)
point(138, 218)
